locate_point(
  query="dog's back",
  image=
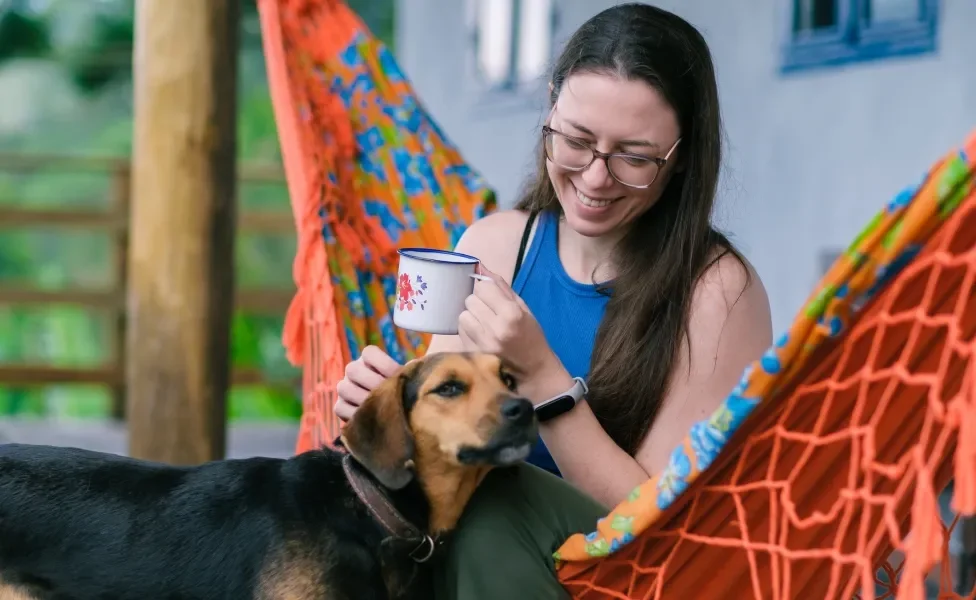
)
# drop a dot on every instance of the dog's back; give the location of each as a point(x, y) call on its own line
point(221, 530)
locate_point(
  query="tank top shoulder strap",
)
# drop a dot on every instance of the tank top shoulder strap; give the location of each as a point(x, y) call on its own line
point(522, 245)
point(534, 251)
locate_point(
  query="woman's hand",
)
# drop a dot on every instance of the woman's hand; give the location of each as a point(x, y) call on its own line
point(363, 375)
point(497, 321)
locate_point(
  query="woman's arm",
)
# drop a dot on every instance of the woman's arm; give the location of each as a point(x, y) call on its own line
point(730, 327)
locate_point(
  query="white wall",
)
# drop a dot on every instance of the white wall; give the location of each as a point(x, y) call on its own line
point(811, 156)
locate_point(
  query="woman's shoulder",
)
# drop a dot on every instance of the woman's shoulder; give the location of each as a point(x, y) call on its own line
point(730, 292)
point(730, 275)
point(494, 240)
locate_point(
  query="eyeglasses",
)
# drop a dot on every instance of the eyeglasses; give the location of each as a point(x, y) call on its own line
point(632, 170)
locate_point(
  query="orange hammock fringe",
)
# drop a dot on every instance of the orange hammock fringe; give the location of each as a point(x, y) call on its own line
point(826, 458)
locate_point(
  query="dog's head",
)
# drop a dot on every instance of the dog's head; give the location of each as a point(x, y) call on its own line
point(460, 409)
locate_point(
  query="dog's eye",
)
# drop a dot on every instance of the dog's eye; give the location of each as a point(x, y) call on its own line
point(509, 382)
point(450, 389)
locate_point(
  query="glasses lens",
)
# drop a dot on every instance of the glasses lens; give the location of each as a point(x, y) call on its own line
point(567, 153)
point(633, 170)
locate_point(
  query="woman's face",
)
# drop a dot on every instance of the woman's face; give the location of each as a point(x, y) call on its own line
point(610, 114)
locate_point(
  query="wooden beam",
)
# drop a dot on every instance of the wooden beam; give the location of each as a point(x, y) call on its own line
point(100, 299)
point(253, 221)
point(31, 375)
point(266, 221)
point(266, 302)
point(181, 282)
point(248, 300)
point(118, 322)
point(41, 375)
point(15, 218)
point(252, 172)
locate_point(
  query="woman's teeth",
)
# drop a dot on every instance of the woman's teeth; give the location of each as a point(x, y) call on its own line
point(587, 201)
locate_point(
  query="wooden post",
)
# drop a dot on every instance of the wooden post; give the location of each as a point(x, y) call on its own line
point(181, 262)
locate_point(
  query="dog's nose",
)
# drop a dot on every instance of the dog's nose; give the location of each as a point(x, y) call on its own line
point(517, 410)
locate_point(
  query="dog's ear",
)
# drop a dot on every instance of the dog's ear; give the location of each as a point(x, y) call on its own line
point(378, 436)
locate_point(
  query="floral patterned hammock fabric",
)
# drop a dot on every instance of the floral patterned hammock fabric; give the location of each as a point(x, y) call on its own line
point(830, 450)
point(368, 171)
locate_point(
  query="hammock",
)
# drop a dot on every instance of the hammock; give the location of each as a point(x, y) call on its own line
point(368, 171)
point(857, 417)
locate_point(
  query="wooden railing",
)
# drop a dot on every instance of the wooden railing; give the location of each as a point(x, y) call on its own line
point(111, 301)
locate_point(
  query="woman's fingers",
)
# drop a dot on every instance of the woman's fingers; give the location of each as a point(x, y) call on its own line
point(499, 282)
point(479, 309)
point(471, 331)
point(379, 361)
point(351, 397)
point(364, 377)
point(344, 410)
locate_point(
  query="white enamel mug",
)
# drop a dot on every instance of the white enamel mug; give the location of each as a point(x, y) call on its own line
point(431, 288)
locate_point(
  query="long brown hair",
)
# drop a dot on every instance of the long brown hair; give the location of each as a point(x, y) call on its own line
point(667, 249)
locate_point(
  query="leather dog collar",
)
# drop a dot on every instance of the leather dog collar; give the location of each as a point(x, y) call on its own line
point(382, 509)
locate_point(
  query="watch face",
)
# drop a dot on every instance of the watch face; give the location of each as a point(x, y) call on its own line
point(554, 408)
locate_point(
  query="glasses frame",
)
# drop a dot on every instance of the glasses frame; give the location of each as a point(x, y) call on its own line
point(606, 156)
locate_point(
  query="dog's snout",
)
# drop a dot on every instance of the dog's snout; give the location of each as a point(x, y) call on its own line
point(518, 411)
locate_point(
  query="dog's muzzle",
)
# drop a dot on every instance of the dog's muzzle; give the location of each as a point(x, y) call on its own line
point(512, 442)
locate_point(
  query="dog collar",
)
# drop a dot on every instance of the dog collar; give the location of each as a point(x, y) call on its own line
point(382, 509)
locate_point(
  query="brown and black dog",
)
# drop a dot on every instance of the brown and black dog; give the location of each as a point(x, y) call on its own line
point(323, 525)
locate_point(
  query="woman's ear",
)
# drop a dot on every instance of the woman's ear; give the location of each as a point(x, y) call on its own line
point(378, 436)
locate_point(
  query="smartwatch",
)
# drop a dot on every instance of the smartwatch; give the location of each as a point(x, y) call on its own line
point(563, 403)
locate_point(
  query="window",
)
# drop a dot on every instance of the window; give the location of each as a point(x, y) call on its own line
point(834, 32)
point(512, 41)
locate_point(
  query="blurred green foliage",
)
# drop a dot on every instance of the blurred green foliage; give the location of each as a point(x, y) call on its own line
point(81, 55)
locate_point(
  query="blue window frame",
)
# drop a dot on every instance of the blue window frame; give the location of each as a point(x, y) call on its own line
point(825, 33)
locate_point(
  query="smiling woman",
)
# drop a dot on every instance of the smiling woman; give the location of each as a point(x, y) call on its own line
point(610, 293)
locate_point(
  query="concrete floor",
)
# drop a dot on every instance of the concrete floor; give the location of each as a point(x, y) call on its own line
point(276, 440)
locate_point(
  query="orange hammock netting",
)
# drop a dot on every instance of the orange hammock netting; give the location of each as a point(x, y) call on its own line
point(826, 458)
point(857, 418)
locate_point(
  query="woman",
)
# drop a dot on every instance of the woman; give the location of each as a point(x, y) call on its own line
point(608, 269)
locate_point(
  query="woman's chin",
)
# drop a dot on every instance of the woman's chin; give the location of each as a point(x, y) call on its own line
point(587, 226)
point(591, 221)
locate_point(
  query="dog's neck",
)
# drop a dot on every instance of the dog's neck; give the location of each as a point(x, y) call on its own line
point(433, 501)
point(447, 486)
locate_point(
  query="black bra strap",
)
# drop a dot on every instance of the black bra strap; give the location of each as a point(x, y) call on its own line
point(525, 241)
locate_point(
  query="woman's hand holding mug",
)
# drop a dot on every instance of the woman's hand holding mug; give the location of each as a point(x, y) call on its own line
point(496, 320)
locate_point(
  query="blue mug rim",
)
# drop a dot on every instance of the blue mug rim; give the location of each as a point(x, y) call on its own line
point(471, 260)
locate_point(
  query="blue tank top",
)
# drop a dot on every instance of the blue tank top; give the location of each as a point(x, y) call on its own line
point(568, 311)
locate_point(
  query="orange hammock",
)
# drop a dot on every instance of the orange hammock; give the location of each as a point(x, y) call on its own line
point(829, 452)
point(857, 418)
point(368, 171)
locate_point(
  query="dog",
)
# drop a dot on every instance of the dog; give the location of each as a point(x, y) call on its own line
point(359, 524)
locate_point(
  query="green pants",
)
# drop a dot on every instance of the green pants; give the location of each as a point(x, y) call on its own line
point(502, 548)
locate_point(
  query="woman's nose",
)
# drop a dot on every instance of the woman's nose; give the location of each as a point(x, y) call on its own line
point(597, 175)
